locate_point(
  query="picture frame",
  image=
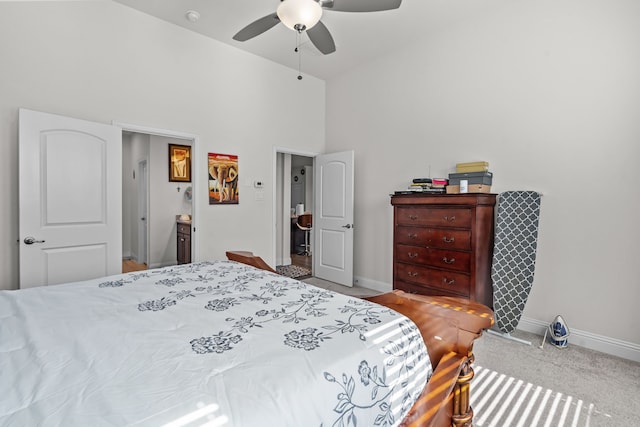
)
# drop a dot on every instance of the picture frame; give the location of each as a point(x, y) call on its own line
point(179, 163)
point(223, 179)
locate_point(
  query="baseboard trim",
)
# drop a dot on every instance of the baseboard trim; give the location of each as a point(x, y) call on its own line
point(363, 282)
point(612, 346)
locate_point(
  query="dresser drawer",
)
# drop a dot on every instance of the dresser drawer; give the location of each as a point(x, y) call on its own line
point(434, 237)
point(449, 260)
point(184, 228)
point(439, 279)
point(434, 216)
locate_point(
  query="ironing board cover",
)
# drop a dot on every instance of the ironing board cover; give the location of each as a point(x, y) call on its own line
point(514, 255)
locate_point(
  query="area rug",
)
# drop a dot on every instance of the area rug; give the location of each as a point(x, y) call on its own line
point(501, 401)
point(293, 271)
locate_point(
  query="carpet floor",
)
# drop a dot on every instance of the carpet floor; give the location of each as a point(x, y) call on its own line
point(574, 386)
point(499, 400)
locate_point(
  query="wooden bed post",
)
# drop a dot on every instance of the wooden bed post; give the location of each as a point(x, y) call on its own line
point(462, 411)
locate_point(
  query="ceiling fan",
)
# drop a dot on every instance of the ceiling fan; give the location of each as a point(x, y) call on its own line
point(304, 15)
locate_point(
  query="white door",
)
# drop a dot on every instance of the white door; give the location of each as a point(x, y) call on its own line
point(333, 217)
point(70, 189)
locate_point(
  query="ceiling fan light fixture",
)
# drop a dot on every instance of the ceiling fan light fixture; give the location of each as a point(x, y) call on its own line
point(299, 15)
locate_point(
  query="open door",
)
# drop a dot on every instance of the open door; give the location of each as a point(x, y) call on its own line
point(333, 217)
point(70, 199)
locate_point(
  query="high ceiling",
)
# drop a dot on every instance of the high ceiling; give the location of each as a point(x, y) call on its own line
point(359, 37)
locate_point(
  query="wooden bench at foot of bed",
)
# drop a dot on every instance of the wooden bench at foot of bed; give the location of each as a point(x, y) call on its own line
point(448, 326)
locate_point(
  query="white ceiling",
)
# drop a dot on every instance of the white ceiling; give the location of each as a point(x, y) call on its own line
point(359, 37)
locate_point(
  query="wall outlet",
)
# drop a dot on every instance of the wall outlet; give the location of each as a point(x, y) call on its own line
point(258, 184)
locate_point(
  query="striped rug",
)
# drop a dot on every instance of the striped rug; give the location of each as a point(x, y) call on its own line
point(502, 401)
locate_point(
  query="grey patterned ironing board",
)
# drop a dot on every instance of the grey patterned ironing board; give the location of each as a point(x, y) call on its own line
point(514, 255)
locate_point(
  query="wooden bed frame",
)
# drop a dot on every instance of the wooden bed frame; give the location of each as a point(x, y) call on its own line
point(449, 326)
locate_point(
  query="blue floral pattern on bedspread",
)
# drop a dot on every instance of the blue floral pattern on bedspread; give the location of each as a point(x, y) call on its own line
point(245, 310)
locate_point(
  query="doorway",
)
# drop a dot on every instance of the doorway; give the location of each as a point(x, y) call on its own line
point(152, 205)
point(301, 204)
point(331, 202)
point(294, 197)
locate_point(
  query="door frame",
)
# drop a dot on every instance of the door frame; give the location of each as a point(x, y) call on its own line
point(195, 172)
point(282, 150)
point(143, 205)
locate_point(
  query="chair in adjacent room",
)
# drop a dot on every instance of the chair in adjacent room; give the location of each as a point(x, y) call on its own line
point(305, 223)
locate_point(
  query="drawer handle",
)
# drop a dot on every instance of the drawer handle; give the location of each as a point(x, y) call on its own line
point(413, 217)
point(448, 260)
point(449, 218)
point(412, 255)
point(412, 274)
point(449, 239)
point(412, 236)
point(448, 282)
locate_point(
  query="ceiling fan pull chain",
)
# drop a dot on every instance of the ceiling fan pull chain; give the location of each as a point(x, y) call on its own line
point(299, 52)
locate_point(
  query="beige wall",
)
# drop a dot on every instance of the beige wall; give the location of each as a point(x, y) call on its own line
point(102, 61)
point(549, 94)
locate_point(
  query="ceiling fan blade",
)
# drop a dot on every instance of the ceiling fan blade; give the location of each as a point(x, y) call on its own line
point(257, 27)
point(321, 38)
point(362, 5)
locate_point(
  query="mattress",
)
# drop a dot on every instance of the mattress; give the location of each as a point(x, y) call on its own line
point(212, 343)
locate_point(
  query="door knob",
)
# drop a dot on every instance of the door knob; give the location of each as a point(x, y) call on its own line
point(347, 226)
point(32, 240)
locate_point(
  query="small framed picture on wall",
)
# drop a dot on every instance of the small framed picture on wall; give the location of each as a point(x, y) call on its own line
point(179, 163)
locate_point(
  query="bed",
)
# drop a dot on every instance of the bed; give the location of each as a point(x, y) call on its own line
point(231, 343)
point(448, 326)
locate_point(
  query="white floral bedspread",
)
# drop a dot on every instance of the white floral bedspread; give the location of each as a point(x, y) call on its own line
point(217, 343)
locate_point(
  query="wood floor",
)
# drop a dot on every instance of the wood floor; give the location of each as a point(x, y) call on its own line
point(301, 260)
point(129, 265)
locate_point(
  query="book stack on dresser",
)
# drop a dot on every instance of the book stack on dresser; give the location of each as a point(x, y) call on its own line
point(474, 177)
point(427, 185)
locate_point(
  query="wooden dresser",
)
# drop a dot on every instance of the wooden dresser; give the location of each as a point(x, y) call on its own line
point(443, 244)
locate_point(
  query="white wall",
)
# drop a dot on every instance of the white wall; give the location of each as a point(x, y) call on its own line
point(102, 61)
point(549, 94)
